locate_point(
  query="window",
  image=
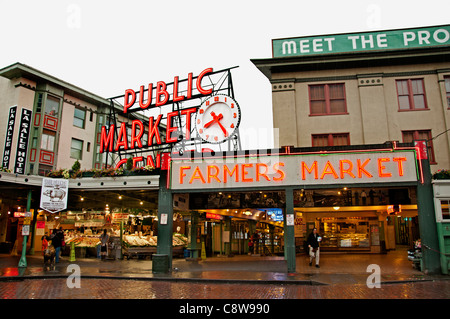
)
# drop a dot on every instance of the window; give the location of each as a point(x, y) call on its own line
point(330, 139)
point(445, 209)
point(79, 117)
point(410, 136)
point(52, 106)
point(447, 89)
point(76, 149)
point(39, 103)
point(411, 94)
point(48, 140)
point(327, 99)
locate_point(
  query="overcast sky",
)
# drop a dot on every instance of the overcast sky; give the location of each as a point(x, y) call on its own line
point(106, 47)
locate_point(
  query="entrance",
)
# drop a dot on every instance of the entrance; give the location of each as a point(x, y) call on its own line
point(239, 223)
point(369, 220)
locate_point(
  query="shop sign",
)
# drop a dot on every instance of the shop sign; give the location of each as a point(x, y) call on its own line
point(22, 144)
point(214, 216)
point(54, 194)
point(118, 217)
point(364, 41)
point(9, 136)
point(294, 170)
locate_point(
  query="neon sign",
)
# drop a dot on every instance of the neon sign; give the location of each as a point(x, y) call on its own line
point(291, 170)
point(215, 119)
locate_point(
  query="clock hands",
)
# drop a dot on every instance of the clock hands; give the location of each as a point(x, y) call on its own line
point(216, 119)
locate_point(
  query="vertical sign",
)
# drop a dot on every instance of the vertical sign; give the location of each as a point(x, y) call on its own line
point(9, 136)
point(22, 143)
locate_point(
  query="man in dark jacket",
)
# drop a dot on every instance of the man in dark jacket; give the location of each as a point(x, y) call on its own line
point(313, 245)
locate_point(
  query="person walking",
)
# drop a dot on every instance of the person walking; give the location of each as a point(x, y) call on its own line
point(313, 245)
point(104, 239)
point(57, 243)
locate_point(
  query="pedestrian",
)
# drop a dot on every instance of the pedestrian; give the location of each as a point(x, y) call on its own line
point(57, 243)
point(364, 197)
point(250, 247)
point(313, 245)
point(104, 238)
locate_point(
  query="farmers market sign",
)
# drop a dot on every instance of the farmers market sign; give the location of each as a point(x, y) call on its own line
point(291, 170)
point(364, 41)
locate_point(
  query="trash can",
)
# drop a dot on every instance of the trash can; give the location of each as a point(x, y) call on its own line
point(160, 263)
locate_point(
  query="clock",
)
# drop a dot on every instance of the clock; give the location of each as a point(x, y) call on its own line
point(217, 118)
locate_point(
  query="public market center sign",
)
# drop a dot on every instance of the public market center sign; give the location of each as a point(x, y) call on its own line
point(364, 41)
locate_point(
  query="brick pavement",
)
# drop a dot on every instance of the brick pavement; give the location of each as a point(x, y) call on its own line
point(105, 288)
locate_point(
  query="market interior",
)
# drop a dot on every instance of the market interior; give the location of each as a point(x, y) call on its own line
point(233, 223)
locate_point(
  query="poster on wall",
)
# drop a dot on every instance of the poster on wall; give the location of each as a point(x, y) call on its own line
point(22, 142)
point(9, 136)
point(54, 194)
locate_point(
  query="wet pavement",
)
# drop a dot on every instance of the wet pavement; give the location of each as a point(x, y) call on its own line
point(335, 268)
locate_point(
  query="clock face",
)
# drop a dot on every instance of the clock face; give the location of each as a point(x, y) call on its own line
point(217, 118)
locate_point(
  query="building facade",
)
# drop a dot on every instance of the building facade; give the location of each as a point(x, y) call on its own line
point(366, 88)
point(63, 122)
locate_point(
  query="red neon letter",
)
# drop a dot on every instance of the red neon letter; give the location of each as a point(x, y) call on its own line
point(309, 170)
point(211, 175)
point(188, 113)
point(161, 90)
point(276, 167)
point(151, 163)
point(175, 97)
point(199, 82)
point(170, 129)
point(121, 162)
point(122, 138)
point(106, 141)
point(399, 161)
point(381, 167)
point(137, 159)
point(226, 173)
point(136, 138)
point(244, 173)
point(361, 169)
point(149, 96)
point(189, 88)
point(348, 170)
point(182, 174)
point(264, 174)
point(153, 130)
point(328, 169)
point(127, 104)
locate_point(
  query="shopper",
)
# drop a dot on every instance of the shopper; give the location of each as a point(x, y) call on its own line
point(57, 239)
point(313, 245)
point(104, 238)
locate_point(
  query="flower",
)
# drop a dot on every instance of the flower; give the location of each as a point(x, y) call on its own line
point(442, 174)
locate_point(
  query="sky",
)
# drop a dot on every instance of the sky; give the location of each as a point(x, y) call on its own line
point(106, 47)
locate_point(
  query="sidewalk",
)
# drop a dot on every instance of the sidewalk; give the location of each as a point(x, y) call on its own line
point(337, 268)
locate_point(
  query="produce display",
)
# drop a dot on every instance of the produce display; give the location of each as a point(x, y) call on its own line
point(152, 241)
point(128, 240)
point(83, 241)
